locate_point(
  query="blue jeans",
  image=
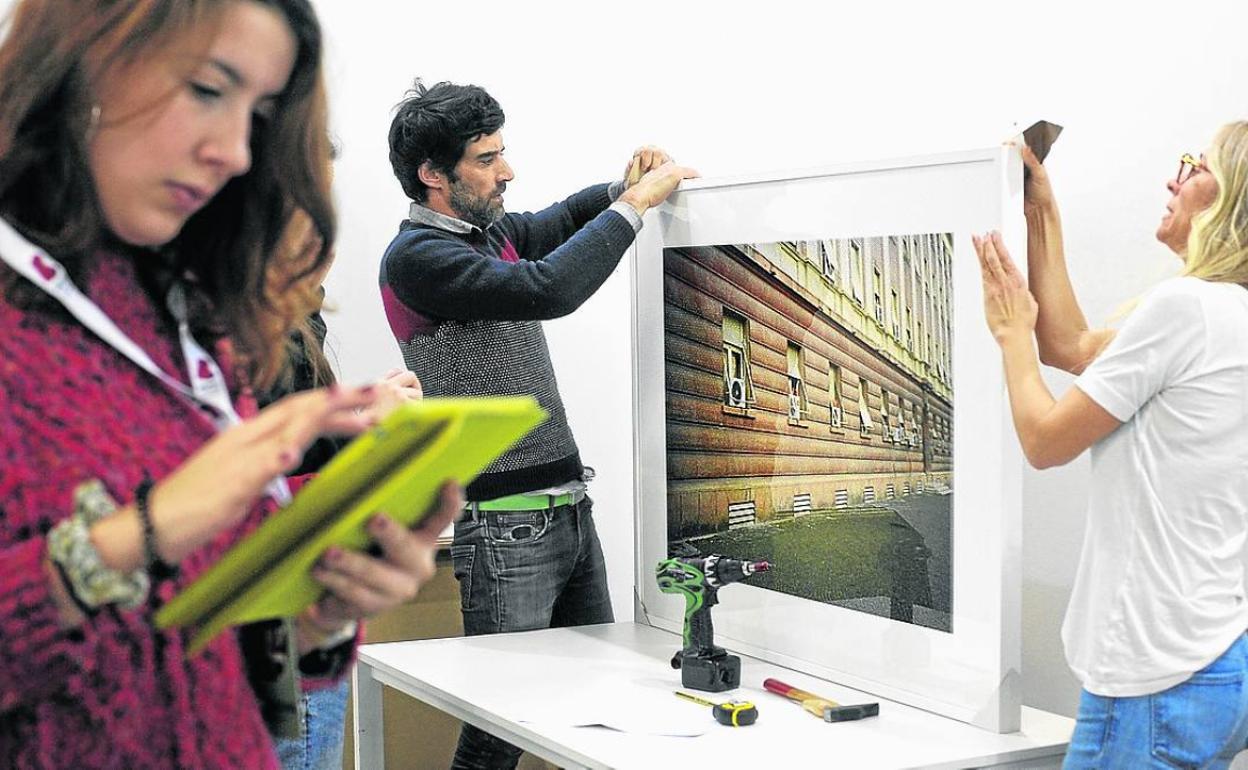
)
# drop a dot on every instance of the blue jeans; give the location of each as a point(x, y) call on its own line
point(521, 571)
point(320, 746)
point(1201, 723)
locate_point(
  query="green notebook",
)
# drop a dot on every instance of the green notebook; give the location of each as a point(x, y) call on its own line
point(397, 468)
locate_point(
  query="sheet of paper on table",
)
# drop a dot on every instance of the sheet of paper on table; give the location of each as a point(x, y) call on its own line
point(641, 708)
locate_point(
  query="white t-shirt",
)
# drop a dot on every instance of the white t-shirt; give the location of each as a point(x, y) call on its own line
point(1160, 588)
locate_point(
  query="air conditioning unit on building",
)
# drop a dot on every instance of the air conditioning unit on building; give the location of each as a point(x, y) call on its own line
point(736, 392)
point(795, 408)
point(836, 417)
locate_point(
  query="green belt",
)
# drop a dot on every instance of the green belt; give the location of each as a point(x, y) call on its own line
point(526, 502)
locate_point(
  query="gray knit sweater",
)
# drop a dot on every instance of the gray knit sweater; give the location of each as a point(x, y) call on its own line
point(466, 306)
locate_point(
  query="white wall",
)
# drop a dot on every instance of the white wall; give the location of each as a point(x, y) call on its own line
point(730, 87)
point(734, 87)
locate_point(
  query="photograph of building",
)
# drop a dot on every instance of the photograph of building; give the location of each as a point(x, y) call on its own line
point(809, 416)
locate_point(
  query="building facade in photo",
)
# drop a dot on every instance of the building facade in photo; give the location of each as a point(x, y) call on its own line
point(805, 376)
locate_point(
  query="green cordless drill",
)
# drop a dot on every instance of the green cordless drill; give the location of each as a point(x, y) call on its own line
point(703, 666)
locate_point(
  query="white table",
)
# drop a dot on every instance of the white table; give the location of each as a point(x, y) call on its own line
point(530, 687)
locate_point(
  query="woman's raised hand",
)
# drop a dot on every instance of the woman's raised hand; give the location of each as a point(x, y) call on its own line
point(1037, 190)
point(1008, 305)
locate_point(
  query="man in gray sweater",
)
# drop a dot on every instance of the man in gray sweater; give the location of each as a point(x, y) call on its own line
point(465, 288)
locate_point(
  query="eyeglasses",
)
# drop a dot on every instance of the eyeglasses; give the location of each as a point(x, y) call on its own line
point(1189, 166)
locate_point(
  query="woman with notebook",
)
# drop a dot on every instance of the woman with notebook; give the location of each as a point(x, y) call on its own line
point(151, 154)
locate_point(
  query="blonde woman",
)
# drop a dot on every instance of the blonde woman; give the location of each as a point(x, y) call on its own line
point(1155, 626)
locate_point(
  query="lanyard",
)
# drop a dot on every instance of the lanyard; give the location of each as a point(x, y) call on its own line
point(207, 389)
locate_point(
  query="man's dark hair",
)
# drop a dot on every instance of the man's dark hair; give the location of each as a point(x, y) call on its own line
point(436, 124)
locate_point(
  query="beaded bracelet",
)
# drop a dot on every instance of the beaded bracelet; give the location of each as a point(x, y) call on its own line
point(90, 583)
point(71, 588)
point(155, 566)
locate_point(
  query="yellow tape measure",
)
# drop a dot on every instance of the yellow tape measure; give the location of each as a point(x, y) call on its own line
point(734, 713)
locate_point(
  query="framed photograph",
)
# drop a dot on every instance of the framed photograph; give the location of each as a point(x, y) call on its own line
point(816, 388)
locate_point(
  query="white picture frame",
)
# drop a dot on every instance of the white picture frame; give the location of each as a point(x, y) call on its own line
point(972, 672)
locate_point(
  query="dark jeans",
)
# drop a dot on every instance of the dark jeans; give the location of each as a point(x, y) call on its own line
point(521, 571)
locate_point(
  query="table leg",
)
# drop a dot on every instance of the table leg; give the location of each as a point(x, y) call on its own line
point(370, 748)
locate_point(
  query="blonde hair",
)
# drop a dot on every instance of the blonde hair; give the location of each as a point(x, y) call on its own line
point(1217, 247)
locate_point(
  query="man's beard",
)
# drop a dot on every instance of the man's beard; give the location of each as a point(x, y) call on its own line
point(474, 209)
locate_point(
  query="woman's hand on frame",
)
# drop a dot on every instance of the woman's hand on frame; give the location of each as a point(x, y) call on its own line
point(1009, 307)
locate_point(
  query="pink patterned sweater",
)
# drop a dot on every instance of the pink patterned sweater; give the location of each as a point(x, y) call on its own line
point(115, 693)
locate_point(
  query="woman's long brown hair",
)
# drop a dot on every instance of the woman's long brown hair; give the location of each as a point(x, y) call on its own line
point(50, 65)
